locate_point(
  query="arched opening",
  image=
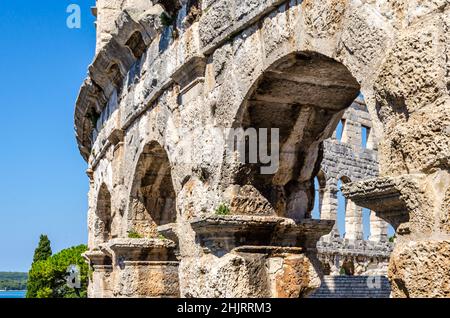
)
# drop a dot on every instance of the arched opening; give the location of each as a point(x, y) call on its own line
point(115, 75)
point(340, 130)
point(348, 268)
point(103, 216)
point(136, 44)
point(303, 95)
point(153, 199)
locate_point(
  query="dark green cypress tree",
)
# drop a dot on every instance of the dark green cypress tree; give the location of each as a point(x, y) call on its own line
point(44, 250)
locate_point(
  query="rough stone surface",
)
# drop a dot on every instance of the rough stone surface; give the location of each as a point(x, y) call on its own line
point(421, 268)
point(146, 122)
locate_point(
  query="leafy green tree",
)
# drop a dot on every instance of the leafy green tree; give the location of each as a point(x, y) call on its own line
point(48, 278)
point(44, 250)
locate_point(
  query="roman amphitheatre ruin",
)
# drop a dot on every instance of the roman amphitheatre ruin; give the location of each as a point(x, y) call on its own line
point(168, 73)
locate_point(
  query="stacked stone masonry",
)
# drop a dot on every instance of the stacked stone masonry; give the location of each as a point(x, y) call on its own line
point(168, 73)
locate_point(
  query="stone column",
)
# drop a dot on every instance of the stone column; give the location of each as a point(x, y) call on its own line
point(371, 139)
point(378, 228)
point(253, 256)
point(353, 221)
point(143, 268)
point(351, 133)
point(328, 208)
point(101, 277)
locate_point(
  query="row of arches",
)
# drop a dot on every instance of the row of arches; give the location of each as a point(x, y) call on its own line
point(304, 96)
point(152, 198)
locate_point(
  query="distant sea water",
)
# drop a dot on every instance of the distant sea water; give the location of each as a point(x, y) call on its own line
point(13, 294)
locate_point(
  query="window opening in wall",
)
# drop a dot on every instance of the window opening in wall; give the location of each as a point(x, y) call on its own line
point(342, 206)
point(366, 223)
point(391, 230)
point(316, 211)
point(365, 133)
point(340, 129)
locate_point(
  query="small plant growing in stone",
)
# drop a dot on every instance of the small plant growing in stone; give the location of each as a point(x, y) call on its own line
point(134, 234)
point(223, 209)
point(162, 237)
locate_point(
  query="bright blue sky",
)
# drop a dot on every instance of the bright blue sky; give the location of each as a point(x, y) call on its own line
point(43, 188)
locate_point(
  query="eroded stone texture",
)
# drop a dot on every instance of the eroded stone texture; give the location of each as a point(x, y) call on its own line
point(158, 89)
point(421, 268)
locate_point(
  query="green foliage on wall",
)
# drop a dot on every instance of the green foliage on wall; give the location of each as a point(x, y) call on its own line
point(223, 209)
point(134, 234)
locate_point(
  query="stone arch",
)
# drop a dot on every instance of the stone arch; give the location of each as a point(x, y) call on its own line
point(115, 75)
point(104, 217)
point(153, 198)
point(136, 44)
point(304, 95)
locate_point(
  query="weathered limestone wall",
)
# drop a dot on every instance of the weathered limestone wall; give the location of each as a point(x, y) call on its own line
point(293, 65)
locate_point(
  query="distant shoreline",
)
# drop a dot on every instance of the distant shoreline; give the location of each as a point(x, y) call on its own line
point(13, 281)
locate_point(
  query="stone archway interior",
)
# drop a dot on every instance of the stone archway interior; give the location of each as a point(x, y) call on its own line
point(104, 215)
point(348, 268)
point(154, 199)
point(304, 95)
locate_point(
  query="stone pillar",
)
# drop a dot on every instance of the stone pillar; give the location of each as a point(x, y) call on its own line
point(143, 268)
point(378, 228)
point(371, 139)
point(328, 208)
point(91, 210)
point(100, 278)
point(253, 256)
point(353, 221)
point(351, 133)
